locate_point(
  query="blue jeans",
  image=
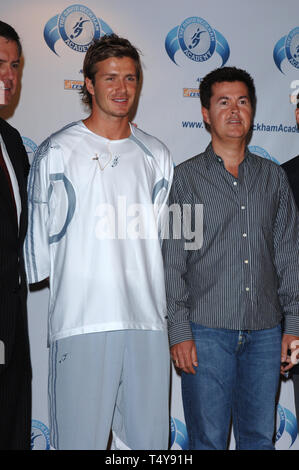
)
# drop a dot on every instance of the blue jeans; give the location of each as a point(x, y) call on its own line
point(237, 377)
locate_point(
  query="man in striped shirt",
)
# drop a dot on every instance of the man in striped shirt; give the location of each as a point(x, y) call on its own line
point(229, 300)
point(291, 168)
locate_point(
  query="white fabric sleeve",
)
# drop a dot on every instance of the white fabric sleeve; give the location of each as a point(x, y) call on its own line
point(36, 248)
point(162, 190)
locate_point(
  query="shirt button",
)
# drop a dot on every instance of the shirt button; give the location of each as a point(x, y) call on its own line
point(246, 261)
point(235, 183)
point(247, 289)
point(244, 235)
point(243, 208)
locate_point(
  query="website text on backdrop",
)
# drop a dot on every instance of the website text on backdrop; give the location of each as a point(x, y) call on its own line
point(109, 354)
point(15, 365)
point(292, 170)
point(227, 300)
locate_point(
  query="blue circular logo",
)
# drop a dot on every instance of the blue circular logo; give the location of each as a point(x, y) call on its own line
point(197, 39)
point(292, 47)
point(287, 47)
point(78, 27)
point(40, 436)
point(178, 437)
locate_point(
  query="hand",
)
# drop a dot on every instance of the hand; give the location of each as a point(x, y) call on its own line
point(291, 343)
point(184, 356)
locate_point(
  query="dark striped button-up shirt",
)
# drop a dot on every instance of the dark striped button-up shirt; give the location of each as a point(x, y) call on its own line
point(245, 276)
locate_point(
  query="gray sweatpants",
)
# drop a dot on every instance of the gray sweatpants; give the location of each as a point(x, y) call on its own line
point(115, 379)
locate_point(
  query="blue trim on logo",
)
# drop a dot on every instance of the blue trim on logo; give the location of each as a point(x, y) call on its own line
point(279, 52)
point(51, 33)
point(105, 27)
point(222, 47)
point(172, 43)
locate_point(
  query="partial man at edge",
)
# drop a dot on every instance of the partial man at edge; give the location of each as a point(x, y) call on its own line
point(291, 168)
point(15, 365)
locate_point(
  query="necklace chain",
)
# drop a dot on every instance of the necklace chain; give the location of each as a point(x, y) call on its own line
point(97, 158)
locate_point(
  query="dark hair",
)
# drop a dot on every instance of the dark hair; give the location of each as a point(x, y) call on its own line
point(102, 49)
point(226, 74)
point(298, 100)
point(7, 32)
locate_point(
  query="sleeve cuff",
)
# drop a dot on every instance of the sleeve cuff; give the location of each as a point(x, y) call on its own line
point(291, 325)
point(179, 332)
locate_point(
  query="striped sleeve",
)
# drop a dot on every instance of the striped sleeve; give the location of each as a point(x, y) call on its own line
point(177, 294)
point(36, 248)
point(286, 245)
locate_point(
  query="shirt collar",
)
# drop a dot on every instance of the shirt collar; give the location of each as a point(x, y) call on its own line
point(211, 158)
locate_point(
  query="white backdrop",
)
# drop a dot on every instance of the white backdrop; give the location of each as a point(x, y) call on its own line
point(260, 36)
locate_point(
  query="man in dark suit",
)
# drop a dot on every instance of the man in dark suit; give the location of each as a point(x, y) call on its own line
point(292, 170)
point(15, 366)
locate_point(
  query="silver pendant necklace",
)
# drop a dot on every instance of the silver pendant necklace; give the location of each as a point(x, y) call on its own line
point(103, 160)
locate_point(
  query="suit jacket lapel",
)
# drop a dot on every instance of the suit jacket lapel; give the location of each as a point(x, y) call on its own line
point(6, 196)
point(16, 153)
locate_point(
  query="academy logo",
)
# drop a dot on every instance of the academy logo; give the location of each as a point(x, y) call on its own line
point(179, 436)
point(287, 48)
point(287, 424)
point(197, 40)
point(40, 436)
point(77, 26)
point(261, 152)
point(30, 147)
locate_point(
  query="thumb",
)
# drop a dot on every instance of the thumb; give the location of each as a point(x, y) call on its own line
point(284, 350)
point(194, 356)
